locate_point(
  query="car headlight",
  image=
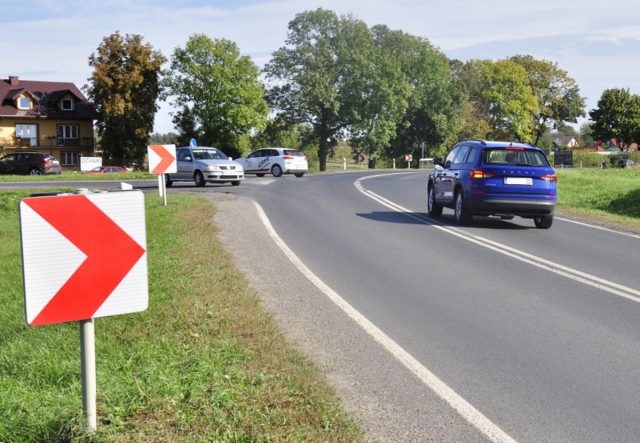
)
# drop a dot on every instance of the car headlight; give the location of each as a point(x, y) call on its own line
point(213, 168)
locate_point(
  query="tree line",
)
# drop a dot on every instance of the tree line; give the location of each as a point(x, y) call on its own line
point(385, 92)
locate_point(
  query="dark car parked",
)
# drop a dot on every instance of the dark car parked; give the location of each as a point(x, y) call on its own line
point(34, 163)
point(494, 178)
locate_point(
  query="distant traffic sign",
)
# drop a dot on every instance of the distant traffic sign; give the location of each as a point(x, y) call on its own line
point(84, 256)
point(162, 159)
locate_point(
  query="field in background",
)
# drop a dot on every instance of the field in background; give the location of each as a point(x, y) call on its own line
point(204, 363)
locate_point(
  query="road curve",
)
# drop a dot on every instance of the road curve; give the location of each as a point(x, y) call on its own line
point(543, 354)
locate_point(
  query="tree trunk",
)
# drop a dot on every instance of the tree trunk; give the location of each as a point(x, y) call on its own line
point(322, 155)
point(324, 140)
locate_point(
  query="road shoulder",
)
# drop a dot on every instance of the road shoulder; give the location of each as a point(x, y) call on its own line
point(389, 401)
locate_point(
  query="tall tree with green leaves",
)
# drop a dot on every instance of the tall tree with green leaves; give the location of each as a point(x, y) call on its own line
point(432, 95)
point(327, 76)
point(124, 87)
point(617, 116)
point(558, 95)
point(217, 92)
point(501, 94)
point(379, 91)
point(307, 81)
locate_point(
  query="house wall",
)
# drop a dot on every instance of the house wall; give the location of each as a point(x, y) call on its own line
point(47, 139)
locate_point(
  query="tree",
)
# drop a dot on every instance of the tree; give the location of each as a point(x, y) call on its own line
point(170, 138)
point(586, 134)
point(124, 88)
point(432, 95)
point(307, 76)
point(617, 116)
point(328, 76)
point(217, 91)
point(501, 95)
point(379, 88)
point(558, 96)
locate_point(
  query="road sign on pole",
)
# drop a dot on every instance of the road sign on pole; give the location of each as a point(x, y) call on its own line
point(408, 158)
point(84, 256)
point(162, 160)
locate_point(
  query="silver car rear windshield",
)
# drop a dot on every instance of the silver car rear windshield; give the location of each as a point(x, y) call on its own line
point(209, 154)
point(514, 157)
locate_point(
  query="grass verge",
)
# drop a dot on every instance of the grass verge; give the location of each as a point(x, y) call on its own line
point(610, 195)
point(203, 363)
point(65, 176)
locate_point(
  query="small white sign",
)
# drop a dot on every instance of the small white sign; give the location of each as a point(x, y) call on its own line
point(88, 163)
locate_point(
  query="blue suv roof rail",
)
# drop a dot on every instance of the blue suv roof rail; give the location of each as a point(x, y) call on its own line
point(474, 140)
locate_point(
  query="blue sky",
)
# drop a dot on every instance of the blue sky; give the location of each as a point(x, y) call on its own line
point(596, 41)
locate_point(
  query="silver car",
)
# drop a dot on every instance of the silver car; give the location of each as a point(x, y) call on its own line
point(202, 164)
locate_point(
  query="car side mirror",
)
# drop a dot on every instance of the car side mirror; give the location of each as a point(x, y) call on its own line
point(187, 159)
point(437, 161)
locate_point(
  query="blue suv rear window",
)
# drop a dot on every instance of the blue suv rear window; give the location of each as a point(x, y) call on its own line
point(514, 157)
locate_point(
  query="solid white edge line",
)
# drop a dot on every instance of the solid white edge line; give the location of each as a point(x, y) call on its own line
point(574, 274)
point(602, 228)
point(459, 404)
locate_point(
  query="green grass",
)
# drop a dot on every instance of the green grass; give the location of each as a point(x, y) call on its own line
point(203, 363)
point(76, 176)
point(610, 194)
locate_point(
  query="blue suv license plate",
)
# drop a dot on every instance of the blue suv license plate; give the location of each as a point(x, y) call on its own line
point(528, 181)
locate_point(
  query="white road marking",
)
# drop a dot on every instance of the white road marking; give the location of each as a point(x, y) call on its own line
point(548, 265)
point(628, 234)
point(459, 404)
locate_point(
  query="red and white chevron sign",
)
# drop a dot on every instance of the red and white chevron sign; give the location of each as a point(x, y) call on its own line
point(84, 256)
point(162, 159)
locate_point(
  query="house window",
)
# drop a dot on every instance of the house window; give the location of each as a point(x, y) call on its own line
point(67, 104)
point(27, 135)
point(64, 133)
point(70, 158)
point(24, 103)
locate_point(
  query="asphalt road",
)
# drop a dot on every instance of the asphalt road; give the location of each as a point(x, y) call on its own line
point(538, 330)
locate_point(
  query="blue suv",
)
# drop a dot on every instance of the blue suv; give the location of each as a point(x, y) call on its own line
point(504, 179)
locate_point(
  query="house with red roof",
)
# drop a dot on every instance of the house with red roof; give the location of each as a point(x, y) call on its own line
point(50, 117)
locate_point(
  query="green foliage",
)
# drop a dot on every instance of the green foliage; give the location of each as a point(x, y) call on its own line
point(385, 91)
point(124, 88)
point(507, 100)
point(170, 138)
point(586, 134)
point(558, 96)
point(433, 97)
point(217, 92)
point(380, 92)
point(617, 116)
point(313, 76)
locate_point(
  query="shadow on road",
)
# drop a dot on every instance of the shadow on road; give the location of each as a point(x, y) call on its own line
point(408, 218)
